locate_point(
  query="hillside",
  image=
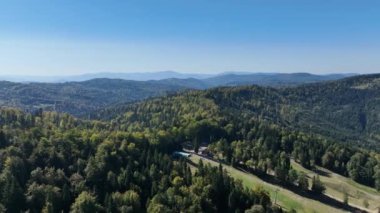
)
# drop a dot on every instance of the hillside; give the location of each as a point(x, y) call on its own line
point(57, 162)
point(126, 159)
point(346, 110)
point(82, 97)
point(273, 80)
point(52, 162)
point(254, 124)
point(294, 199)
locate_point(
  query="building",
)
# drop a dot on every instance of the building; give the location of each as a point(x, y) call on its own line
point(181, 154)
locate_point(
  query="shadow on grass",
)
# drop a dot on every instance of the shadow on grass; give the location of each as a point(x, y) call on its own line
point(321, 172)
point(307, 194)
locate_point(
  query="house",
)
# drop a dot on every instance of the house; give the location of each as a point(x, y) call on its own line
point(202, 150)
point(181, 154)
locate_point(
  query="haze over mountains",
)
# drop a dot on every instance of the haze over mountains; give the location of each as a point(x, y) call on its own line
point(136, 76)
point(146, 76)
point(81, 97)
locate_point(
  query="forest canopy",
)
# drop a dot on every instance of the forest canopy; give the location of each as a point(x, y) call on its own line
point(121, 160)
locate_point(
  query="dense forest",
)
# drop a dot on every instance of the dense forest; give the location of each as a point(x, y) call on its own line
point(250, 126)
point(80, 98)
point(54, 162)
point(121, 160)
point(345, 110)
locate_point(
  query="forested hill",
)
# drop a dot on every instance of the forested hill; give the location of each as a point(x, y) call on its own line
point(260, 128)
point(52, 162)
point(80, 98)
point(346, 110)
point(271, 79)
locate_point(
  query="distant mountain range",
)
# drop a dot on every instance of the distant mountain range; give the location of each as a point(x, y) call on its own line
point(81, 97)
point(270, 79)
point(143, 76)
point(213, 79)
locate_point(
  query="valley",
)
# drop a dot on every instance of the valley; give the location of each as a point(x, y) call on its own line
point(82, 95)
point(171, 106)
point(279, 151)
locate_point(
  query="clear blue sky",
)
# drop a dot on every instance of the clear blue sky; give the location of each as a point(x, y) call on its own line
point(64, 37)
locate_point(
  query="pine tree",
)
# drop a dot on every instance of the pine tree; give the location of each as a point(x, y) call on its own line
point(317, 185)
point(12, 194)
point(303, 183)
point(3, 140)
point(66, 197)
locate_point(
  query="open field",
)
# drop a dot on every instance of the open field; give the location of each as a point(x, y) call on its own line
point(285, 198)
point(337, 184)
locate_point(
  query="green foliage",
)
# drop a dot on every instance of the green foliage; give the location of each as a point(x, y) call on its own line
point(317, 186)
point(12, 196)
point(3, 140)
point(293, 176)
point(345, 197)
point(54, 162)
point(303, 183)
point(80, 98)
point(376, 176)
point(85, 202)
point(260, 129)
point(255, 209)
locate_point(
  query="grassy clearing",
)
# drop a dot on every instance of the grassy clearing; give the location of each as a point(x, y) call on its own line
point(337, 184)
point(285, 198)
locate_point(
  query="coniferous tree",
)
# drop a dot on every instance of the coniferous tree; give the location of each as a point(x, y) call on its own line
point(11, 194)
point(317, 186)
point(303, 182)
point(3, 140)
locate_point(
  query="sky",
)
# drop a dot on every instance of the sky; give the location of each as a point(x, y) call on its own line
point(70, 37)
